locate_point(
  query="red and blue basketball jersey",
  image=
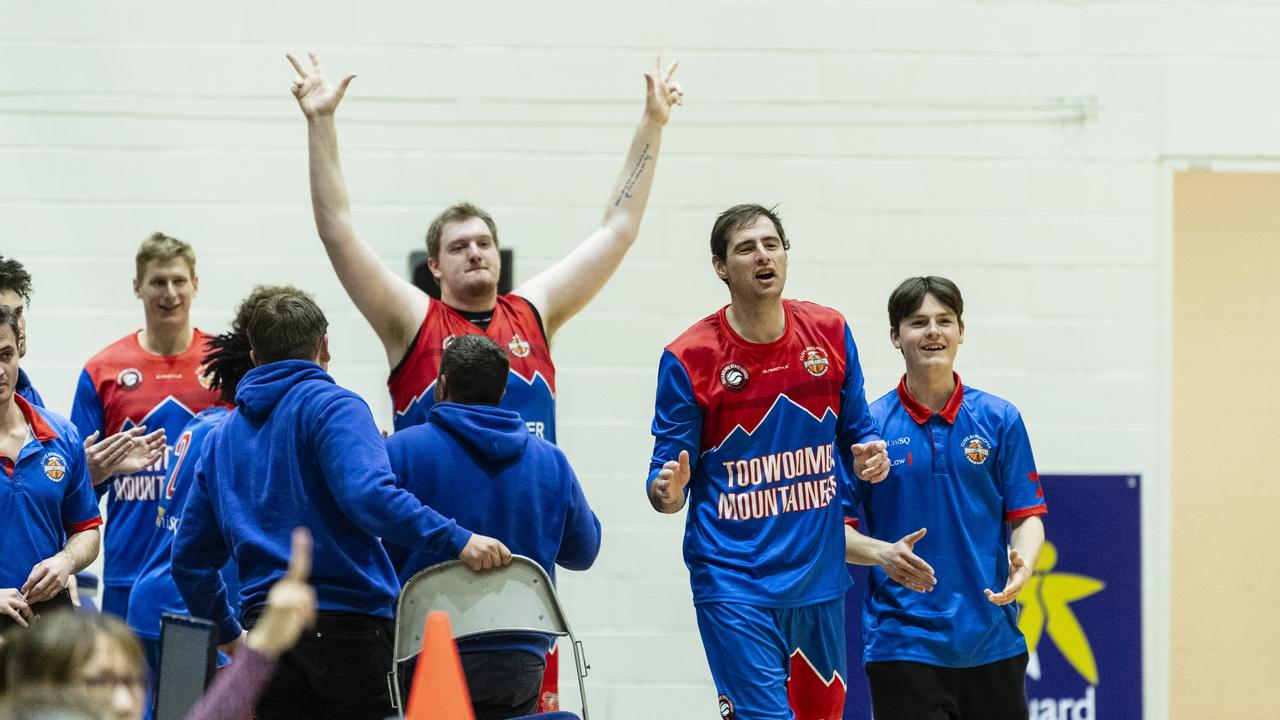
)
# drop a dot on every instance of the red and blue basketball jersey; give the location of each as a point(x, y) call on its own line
point(765, 426)
point(45, 494)
point(531, 385)
point(964, 473)
point(155, 593)
point(121, 387)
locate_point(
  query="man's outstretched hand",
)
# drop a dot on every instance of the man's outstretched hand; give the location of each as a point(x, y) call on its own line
point(126, 452)
point(317, 97)
point(900, 562)
point(871, 461)
point(1019, 573)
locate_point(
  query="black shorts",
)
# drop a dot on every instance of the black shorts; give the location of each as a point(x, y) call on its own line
point(903, 690)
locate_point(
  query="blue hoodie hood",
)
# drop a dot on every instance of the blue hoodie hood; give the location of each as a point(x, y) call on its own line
point(494, 434)
point(262, 388)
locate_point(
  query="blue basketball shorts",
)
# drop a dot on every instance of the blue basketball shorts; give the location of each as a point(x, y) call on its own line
point(776, 663)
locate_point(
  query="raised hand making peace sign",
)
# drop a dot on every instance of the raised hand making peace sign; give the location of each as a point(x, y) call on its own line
point(663, 92)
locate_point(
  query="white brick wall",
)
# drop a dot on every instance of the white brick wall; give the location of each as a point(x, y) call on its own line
point(1019, 147)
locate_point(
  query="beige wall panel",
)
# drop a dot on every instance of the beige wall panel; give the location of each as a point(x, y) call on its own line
point(1226, 413)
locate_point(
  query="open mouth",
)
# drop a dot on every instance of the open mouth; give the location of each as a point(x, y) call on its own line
point(934, 348)
point(765, 275)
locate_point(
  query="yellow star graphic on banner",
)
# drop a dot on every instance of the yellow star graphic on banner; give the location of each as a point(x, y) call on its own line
point(1045, 605)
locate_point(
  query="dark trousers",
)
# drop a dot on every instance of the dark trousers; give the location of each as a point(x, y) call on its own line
point(61, 601)
point(916, 691)
point(503, 684)
point(337, 671)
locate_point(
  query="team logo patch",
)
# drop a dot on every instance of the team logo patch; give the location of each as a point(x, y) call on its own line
point(734, 377)
point(204, 378)
point(815, 360)
point(976, 449)
point(726, 708)
point(448, 339)
point(518, 346)
point(129, 378)
point(55, 467)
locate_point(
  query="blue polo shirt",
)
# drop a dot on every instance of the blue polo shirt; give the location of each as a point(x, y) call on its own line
point(45, 494)
point(27, 390)
point(964, 473)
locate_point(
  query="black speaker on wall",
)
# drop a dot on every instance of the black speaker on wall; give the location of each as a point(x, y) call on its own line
point(422, 278)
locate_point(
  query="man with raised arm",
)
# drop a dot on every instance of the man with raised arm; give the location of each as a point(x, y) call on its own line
point(760, 407)
point(462, 244)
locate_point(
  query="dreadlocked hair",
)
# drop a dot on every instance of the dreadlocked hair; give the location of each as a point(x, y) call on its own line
point(227, 362)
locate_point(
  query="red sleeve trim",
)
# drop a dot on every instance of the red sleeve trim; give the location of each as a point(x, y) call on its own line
point(82, 526)
point(851, 522)
point(1026, 512)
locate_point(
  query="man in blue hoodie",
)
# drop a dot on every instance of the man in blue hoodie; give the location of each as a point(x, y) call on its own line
point(478, 463)
point(300, 450)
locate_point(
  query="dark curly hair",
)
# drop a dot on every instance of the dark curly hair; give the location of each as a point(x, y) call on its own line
point(16, 278)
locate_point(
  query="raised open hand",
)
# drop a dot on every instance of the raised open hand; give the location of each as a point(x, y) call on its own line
point(662, 93)
point(316, 95)
point(1019, 573)
point(900, 562)
point(125, 452)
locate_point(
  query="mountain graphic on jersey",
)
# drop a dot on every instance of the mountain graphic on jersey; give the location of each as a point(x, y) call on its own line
point(533, 398)
point(814, 694)
point(775, 485)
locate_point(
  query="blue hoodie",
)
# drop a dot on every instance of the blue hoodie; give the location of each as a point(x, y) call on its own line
point(298, 450)
point(479, 465)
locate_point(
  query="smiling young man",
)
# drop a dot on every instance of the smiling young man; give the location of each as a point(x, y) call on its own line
point(462, 245)
point(149, 378)
point(50, 526)
point(962, 466)
point(759, 408)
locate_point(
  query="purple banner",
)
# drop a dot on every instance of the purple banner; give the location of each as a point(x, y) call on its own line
point(1081, 612)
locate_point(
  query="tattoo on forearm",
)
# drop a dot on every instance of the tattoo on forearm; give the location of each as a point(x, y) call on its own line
point(636, 172)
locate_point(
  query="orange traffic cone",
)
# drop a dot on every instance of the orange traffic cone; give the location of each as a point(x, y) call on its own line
point(439, 687)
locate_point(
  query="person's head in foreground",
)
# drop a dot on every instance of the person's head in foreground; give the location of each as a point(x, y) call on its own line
point(89, 653)
point(473, 371)
point(288, 325)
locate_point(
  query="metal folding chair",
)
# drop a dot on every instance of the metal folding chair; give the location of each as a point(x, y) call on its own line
point(515, 598)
